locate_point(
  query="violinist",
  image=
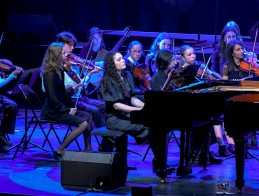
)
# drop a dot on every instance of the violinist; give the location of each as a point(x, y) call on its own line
point(95, 38)
point(165, 62)
point(230, 32)
point(139, 71)
point(218, 56)
point(235, 67)
point(84, 102)
point(8, 107)
point(163, 40)
point(189, 71)
point(94, 50)
point(55, 106)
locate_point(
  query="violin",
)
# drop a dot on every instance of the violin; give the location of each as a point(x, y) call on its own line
point(72, 74)
point(249, 67)
point(142, 73)
point(6, 68)
point(74, 60)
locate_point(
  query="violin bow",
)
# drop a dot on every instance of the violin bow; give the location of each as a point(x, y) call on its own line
point(82, 71)
point(206, 67)
point(253, 52)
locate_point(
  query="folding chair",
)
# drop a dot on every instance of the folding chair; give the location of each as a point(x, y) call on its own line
point(34, 105)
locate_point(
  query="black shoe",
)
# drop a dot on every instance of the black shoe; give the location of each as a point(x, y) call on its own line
point(57, 155)
point(213, 159)
point(223, 151)
point(162, 173)
point(5, 142)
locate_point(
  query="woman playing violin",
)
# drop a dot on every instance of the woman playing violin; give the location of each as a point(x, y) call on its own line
point(165, 62)
point(236, 67)
point(189, 71)
point(84, 103)
point(7, 106)
point(139, 71)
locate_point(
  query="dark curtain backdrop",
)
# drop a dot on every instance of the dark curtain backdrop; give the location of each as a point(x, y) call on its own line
point(179, 16)
point(38, 21)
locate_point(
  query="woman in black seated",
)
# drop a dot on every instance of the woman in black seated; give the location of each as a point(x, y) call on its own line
point(57, 99)
point(165, 62)
point(117, 90)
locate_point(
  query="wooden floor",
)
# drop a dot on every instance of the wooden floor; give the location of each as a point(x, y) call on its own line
point(37, 173)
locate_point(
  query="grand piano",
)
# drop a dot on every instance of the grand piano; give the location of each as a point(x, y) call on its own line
point(203, 101)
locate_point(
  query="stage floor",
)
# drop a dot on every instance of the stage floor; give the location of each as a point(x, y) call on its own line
point(37, 173)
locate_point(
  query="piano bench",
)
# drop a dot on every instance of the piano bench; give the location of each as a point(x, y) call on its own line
point(113, 141)
point(109, 138)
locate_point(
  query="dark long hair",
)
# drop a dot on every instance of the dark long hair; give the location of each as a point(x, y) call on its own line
point(163, 59)
point(66, 37)
point(111, 73)
point(229, 51)
point(222, 44)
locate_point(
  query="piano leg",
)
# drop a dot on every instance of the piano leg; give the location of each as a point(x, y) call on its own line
point(159, 145)
point(184, 170)
point(241, 147)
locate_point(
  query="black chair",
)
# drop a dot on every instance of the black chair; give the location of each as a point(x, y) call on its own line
point(33, 108)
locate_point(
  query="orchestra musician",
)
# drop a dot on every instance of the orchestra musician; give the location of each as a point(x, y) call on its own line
point(94, 44)
point(163, 40)
point(165, 62)
point(81, 99)
point(235, 66)
point(8, 107)
point(139, 70)
point(55, 106)
point(228, 33)
point(191, 69)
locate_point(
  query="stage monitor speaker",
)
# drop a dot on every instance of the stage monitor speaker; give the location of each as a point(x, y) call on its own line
point(87, 170)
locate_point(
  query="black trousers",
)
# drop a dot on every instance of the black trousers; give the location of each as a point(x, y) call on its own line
point(9, 109)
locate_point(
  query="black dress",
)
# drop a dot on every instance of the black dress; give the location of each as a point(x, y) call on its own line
point(55, 106)
point(116, 119)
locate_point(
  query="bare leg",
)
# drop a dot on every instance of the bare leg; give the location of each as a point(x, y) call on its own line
point(73, 135)
point(218, 133)
point(230, 140)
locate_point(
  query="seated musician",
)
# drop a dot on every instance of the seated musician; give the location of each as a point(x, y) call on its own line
point(190, 70)
point(82, 99)
point(235, 67)
point(138, 70)
point(164, 62)
point(117, 90)
point(7, 106)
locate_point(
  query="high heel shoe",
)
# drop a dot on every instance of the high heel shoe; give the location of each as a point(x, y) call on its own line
point(161, 173)
point(57, 155)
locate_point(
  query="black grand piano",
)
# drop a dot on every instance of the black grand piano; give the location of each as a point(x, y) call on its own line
point(188, 109)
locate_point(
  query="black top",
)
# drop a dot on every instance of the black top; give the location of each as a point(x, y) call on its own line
point(113, 94)
point(55, 106)
point(158, 80)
